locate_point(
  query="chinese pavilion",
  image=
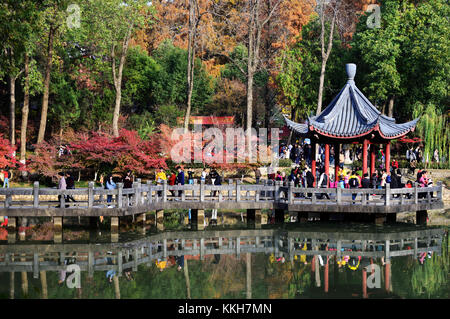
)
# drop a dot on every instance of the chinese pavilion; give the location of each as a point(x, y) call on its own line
point(351, 118)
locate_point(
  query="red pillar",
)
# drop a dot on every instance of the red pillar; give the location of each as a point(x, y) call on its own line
point(313, 161)
point(364, 159)
point(313, 264)
point(364, 282)
point(387, 155)
point(326, 276)
point(327, 162)
point(337, 151)
point(372, 158)
point(387, 278)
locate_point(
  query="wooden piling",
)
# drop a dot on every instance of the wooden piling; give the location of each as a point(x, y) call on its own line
point(421, 217)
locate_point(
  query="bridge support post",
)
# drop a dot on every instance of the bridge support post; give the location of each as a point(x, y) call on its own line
point(421, 217)
point(57, 229)
point(114, 228)
point(391, 218)
point(12, 229)
point(141, 218)
point(302, 217)
point(364, 283)
point(324, 217)
point(198, 218)
point(279, 215)
point(254, 218)
point(159, 218)
point(380, 219)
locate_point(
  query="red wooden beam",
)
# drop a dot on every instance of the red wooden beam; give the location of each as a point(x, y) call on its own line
point(387, 155)
point(313, 161)
point(364, 159)
point(337, 151)
point(327, 162)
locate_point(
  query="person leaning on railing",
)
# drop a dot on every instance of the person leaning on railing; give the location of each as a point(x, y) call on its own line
point(160, 178)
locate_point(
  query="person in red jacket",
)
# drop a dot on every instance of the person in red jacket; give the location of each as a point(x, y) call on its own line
point(172, 180)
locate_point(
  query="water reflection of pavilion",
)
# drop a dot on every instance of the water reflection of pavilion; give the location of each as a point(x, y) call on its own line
point(331, 246)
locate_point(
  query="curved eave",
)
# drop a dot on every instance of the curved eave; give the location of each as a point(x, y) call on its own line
point(390, 131)
point(343, 137)
point(297, 127)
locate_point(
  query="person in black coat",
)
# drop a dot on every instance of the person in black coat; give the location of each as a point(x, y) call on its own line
point(70, 184)
point(365, 183)
point(309, 181)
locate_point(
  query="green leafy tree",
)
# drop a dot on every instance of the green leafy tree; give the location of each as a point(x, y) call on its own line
point(300, 68)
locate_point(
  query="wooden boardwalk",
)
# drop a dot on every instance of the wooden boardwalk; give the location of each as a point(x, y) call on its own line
point(36, 257)
point(142, 198)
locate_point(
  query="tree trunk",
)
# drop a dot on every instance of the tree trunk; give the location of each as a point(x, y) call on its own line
point(116, 287)
point(249, 275)
point(191, 62)
point(12, 109)
point(250, 74)
point(11, 285)
point(321, 81)
point(186, 278)
point(25, 110)
point(43, 276)
point(391, 106)
point(317, 271)
point(118, 79)
point(325, 55)
point(48, 68)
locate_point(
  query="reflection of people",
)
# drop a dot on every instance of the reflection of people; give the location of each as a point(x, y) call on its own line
point(110, 274)
point(161, 264)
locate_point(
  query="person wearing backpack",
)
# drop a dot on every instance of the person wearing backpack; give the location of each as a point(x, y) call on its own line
point(353, 183)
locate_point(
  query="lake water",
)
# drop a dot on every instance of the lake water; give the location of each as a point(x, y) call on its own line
point(290, 260)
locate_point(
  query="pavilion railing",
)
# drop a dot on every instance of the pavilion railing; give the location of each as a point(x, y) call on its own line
point(234, 191)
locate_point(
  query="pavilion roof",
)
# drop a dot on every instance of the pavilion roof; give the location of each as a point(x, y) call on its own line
point(352, 115)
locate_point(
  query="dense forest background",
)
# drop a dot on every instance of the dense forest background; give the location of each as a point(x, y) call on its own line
point(101, 66)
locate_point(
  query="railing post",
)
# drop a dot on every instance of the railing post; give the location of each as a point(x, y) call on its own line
point(338, 194)
point(194, 193)
point(238, 190)
point(149, 192)
point(90, 194)
point(416, 194)
point(8, 198)
point(164, 190)
point(290, 192)
point(277, 191)
point(202, 191)
point(139, 193)
point(429, 196)
point(119, 195)
point(364, 197)
point(230, 191)
point(62, 200)
point(137, 196)
point(439, 191)
point(36, 194)
point(387, 199)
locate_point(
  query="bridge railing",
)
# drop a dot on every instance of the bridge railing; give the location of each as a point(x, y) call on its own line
point(36, 257)
point(268, 191)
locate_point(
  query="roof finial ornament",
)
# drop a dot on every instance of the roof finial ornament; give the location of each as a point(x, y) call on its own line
point(350, 68)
